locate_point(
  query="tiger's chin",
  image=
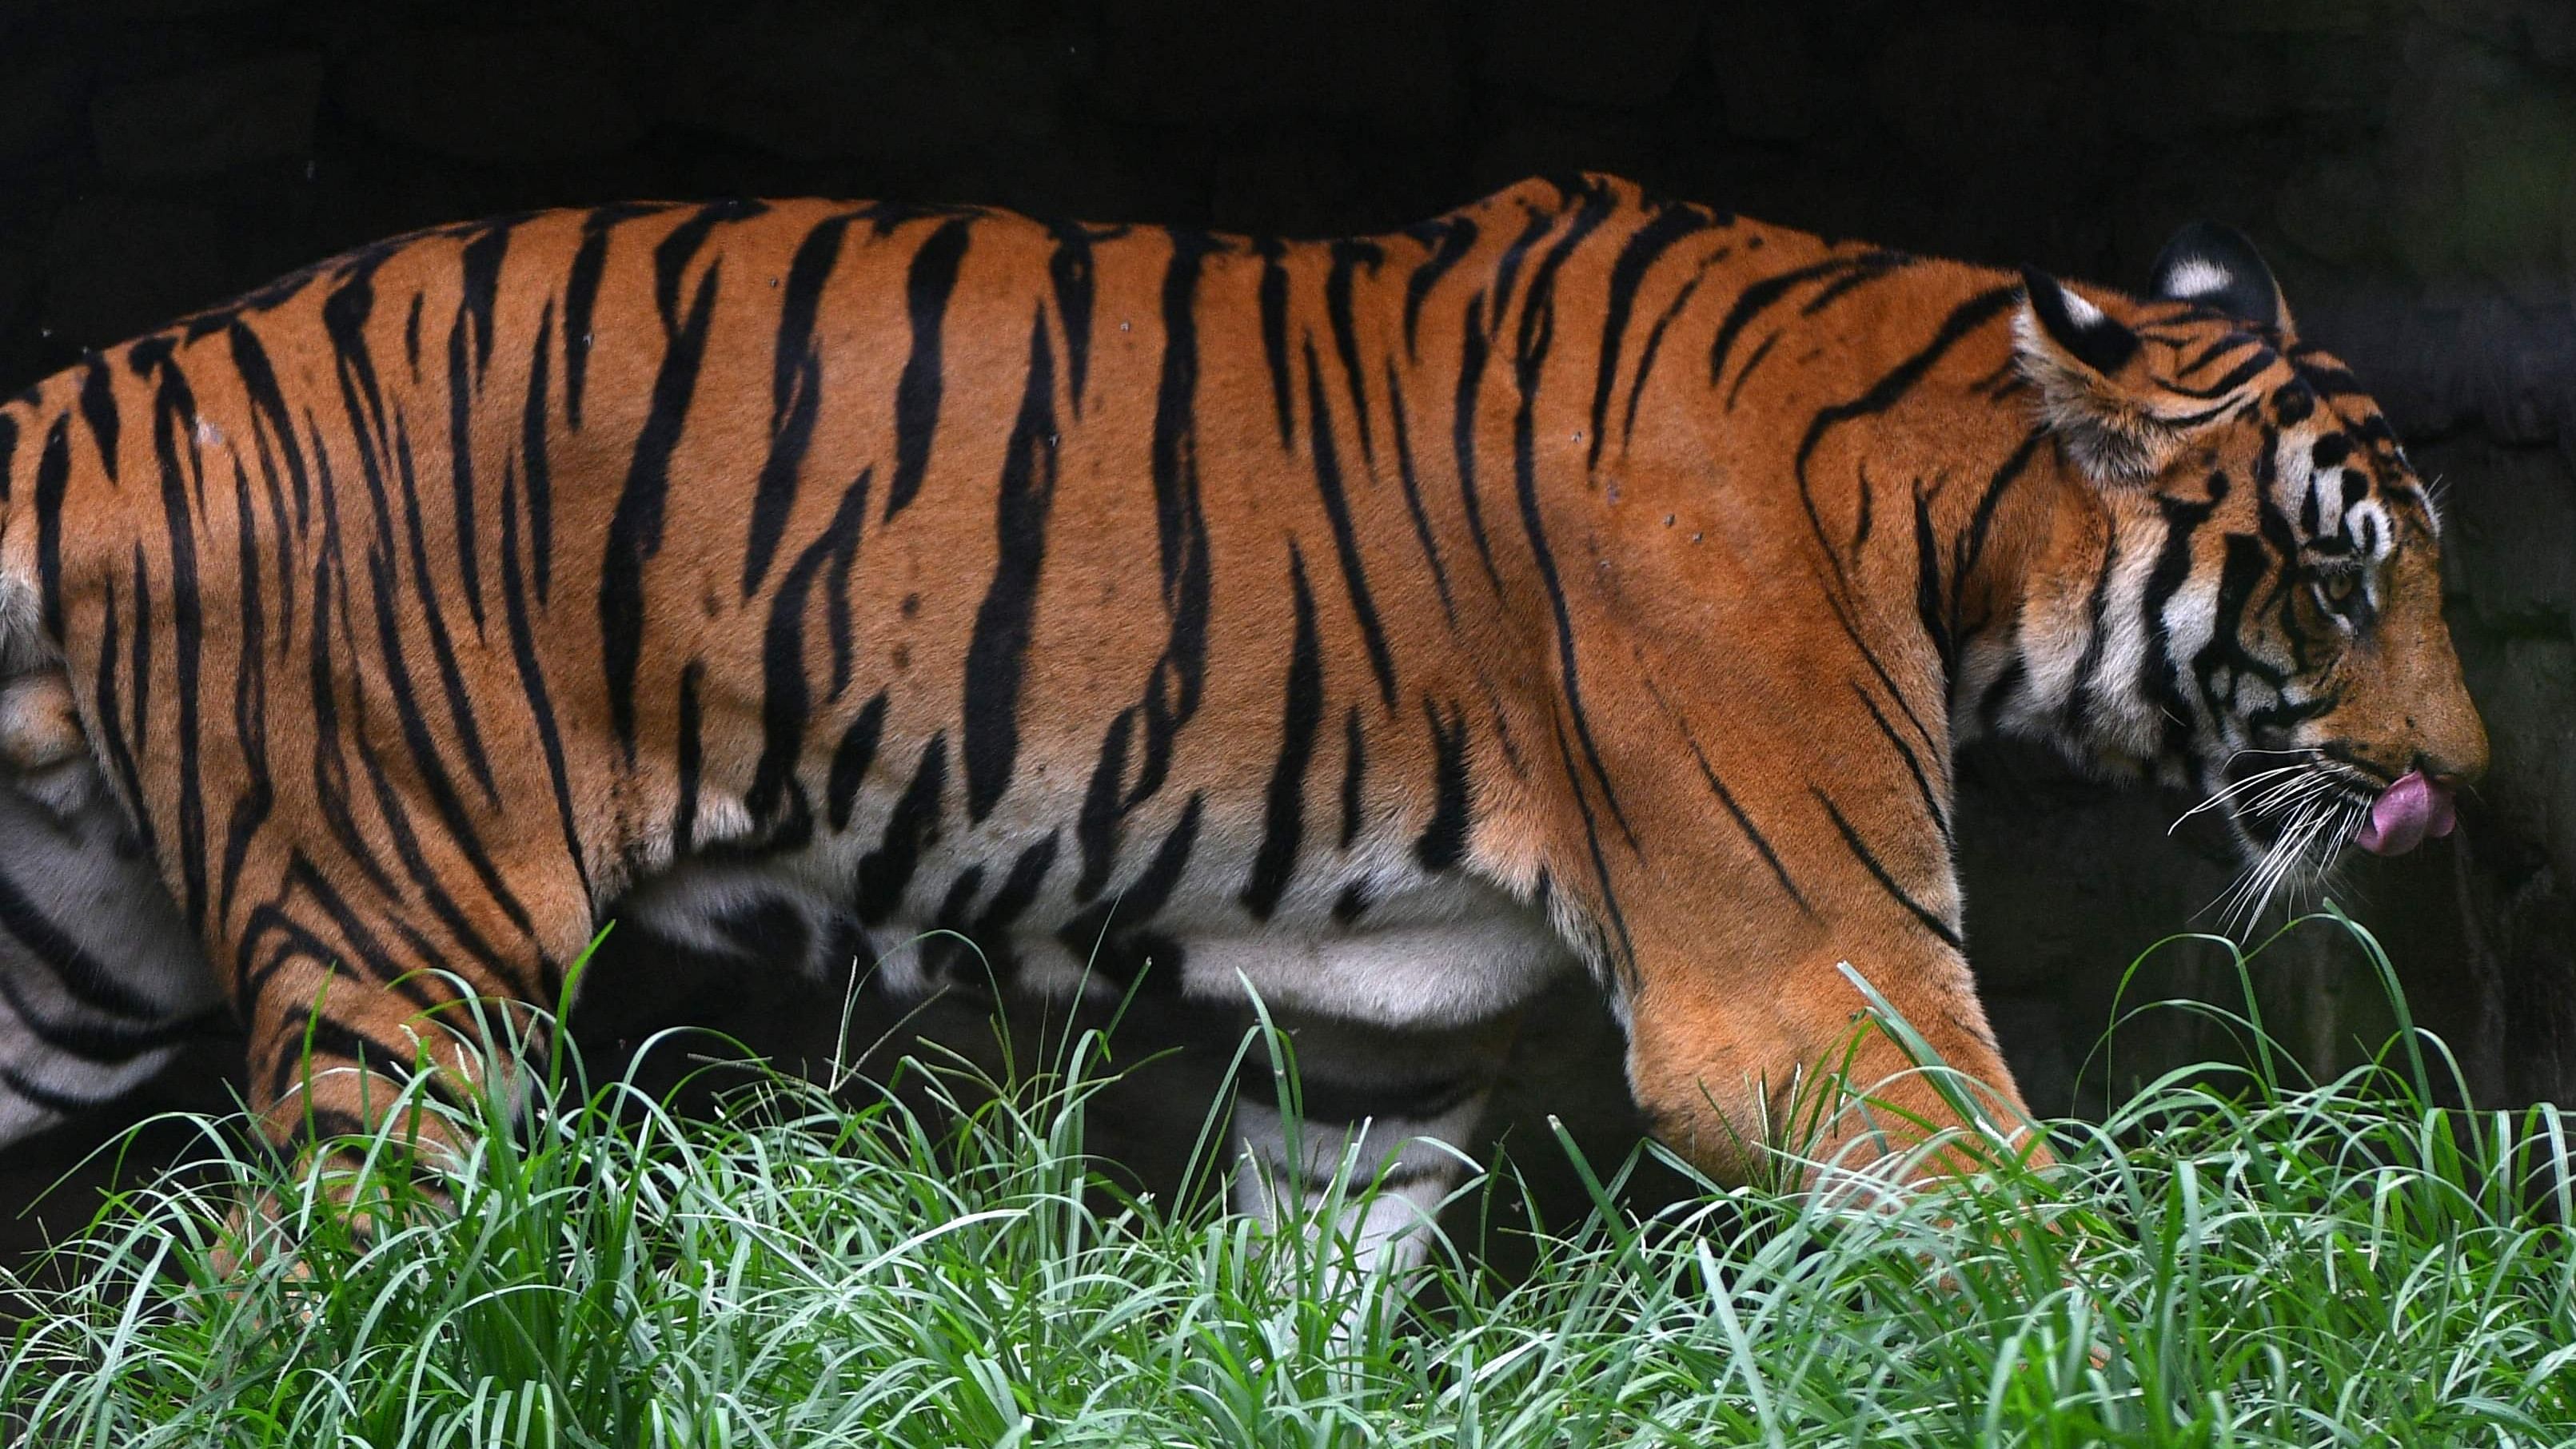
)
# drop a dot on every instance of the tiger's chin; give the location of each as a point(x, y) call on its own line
point(2292, 816)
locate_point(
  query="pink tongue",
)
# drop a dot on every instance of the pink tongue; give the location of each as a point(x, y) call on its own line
point(2404, 814)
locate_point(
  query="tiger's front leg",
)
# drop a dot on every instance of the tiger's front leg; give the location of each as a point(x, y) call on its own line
point(1778, 1068)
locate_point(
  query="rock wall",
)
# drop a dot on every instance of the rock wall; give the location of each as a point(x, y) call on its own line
point(2409, 164)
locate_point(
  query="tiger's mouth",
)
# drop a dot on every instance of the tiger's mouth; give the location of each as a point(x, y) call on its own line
point(2292, 811)
point(2413, 809)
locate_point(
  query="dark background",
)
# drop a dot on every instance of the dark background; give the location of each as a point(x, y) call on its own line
point(2409, 167)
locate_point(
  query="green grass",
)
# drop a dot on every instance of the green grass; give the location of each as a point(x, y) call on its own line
point(2232, 1259)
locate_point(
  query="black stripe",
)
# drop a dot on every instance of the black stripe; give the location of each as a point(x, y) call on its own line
point(1859, 848)
point(1274, 337)
point(692, 752)
point(1642, 250)
point(1346, 342)
point(1351, 904)
point(2080, 701)
point(304, 1039)
point(927, 287)
point(1095, 829)
point(1172, 693)
point(1744, 822)
point(2158, 678)
point(98, 410)
point(2220, 346)
point(1284, 816)
point(2228, 382)
point(1933, 804)
point(672, 255)
point(1866, 269)
point(954, 908)
point(1626, 963)
point(1507, 271)
point(1462, 431)
point(434, 782)
point(1970, 546)
point(1457, 236)
point(478, 281)
point(1758, 298)
point(357, 945)
point(795, 394)
point(911, 830)
point(851, 758)
point(479, 286)
point(532, 682)
point(1537, 332)
point(1069, 270)
point(1851, 631)
point(997, 652)
point(53, 479)
point(581, 294)
point(1124, 954)
point(51, 1099)
point(536, 455)
point(836, 591)
point(138, 732)
point(1443, 842)
point(635, 528)
point(84, 977)
point(1725, 797)
point(1655, 339)
point(1018, 891)
point(323, 675)
point(113, 739)
point(1346, 548)
point(1751, 365)
point(1936, 619)
point(451, 678)
point(786, 698)
point(258, 795)
point(174, 421)
point(1412, 486)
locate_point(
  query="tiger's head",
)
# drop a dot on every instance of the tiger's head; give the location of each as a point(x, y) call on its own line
point(2265, 626)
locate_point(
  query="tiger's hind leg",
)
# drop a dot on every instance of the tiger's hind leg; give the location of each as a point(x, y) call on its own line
point(1376, 1136)
point(100, 980)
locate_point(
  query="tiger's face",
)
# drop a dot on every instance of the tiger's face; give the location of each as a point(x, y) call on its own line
point(2276, 557)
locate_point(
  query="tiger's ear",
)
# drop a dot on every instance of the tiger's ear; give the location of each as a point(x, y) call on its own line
point(2216, 266)
point(2093, 384)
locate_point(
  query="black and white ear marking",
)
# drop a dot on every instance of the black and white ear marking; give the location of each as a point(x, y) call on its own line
point(2087, 333)
point(2214, 265)
point(2092, 390)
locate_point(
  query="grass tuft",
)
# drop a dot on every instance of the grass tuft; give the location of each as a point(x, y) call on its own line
point(2230, 1259)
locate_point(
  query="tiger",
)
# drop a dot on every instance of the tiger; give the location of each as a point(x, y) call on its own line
point(1372, 632)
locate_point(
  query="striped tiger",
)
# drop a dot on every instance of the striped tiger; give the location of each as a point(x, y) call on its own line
point(1580, 581)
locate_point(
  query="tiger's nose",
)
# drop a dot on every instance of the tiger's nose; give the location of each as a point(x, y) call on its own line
point(2452, 769)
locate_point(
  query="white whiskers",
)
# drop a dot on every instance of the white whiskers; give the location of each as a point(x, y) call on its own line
point(2316, 805)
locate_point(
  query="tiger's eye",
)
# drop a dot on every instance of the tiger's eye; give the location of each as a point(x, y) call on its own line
point(2338, 588)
